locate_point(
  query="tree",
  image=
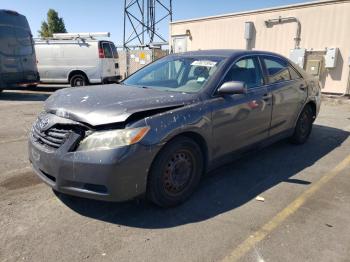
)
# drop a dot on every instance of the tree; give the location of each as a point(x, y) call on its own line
point(54, 24)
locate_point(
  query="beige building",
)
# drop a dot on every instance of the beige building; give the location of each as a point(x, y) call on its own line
point(315, 35)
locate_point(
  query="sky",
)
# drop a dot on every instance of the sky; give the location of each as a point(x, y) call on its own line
point(107, 15)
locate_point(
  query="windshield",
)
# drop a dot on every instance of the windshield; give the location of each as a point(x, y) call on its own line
point(177, 74)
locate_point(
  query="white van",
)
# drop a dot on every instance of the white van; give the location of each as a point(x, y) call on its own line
point(77, 59)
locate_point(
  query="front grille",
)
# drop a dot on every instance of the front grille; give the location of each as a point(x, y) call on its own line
point(54, 137)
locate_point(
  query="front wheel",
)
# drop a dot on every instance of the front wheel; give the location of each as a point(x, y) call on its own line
point(78, 80)
point(175, 172)
point(303, 127)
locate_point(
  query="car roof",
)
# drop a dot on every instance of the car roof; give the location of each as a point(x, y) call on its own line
point(226, 53)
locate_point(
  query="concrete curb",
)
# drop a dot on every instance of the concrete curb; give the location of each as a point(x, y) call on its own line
point(336, 100)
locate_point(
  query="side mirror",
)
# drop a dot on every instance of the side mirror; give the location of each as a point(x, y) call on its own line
point(232, 88)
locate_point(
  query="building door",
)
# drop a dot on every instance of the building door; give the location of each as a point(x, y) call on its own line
point(180, 44)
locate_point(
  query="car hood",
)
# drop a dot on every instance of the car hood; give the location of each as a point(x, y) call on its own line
point(106, 104)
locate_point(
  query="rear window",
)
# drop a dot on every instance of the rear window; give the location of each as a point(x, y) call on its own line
point(25, 42)
point(114, 50)
point(7, 40)
point(107, 50)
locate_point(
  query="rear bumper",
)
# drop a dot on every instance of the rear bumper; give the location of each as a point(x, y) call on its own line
point(28, 78)
point(113, 175)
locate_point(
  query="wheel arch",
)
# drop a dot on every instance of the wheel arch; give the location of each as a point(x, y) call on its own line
point(196, 137)
point(313, 106)
point(77, 72)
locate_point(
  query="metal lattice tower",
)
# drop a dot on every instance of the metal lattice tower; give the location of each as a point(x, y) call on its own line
point(141, 19)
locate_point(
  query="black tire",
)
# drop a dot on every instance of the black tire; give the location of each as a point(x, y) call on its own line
point(1, 90)
point(303, 127)
point(78, 80)
point(175, 173)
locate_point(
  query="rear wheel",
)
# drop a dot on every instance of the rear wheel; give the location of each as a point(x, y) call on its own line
point(78, 80)
point(175, 172)
point(303, 127)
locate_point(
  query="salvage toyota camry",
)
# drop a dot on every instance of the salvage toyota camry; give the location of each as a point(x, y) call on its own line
point(160, 130)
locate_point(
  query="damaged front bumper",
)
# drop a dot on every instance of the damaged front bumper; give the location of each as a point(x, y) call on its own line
point(116, 174)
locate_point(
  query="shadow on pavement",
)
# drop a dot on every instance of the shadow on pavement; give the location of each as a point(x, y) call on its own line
point(23, 96)
point(225, 188)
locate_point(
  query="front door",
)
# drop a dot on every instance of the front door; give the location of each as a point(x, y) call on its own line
point(241, 120)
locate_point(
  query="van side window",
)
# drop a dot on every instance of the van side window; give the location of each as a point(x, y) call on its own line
point(277, 69)
point(24, 40)
point(246, 70)
point(7, 40)
point(107, 50)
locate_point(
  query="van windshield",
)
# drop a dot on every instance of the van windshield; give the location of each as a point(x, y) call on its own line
point(177, 73)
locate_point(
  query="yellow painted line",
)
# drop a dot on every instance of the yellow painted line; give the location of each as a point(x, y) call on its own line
point(277, 220)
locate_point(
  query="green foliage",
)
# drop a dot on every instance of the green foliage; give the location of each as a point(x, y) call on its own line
point(54, 24)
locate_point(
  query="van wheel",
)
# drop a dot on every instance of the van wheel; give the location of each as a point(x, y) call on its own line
point(175, 172)
point(303, 127)
point(78, 80)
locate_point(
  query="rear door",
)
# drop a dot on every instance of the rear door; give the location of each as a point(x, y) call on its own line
point(10, 63)
point(107, 62)
point(242, 120)
point(26, 55)
point(116, 59)
point(289, 93)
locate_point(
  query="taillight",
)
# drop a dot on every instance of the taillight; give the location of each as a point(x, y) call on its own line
point(101, 54)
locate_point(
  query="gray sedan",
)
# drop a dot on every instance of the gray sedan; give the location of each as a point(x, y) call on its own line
point(165, 126)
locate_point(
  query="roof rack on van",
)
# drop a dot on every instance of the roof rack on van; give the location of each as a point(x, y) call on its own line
point(75, 36)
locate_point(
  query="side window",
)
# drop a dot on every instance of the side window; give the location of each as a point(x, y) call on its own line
point(293, 73)
point(277, 69)
point(107, 50)
point(246, 70)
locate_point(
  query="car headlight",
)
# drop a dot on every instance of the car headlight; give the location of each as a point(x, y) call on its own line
point(112, 139)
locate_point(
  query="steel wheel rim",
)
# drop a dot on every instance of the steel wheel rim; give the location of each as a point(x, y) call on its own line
point(78, 81)
point(178, 172)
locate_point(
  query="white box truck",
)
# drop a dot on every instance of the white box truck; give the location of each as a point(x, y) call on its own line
point(78, 59)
